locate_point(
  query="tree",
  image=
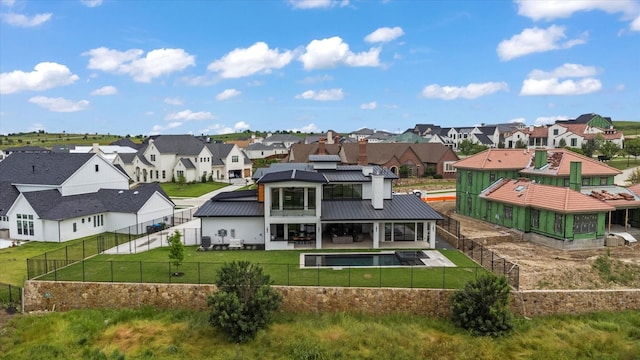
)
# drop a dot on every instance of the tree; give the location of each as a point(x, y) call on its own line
point(405, 171)
point(562, 143)
point(632, 148)
point(482, 307)
point(520, 144)
point(609, 149)
point(204, 178)
point(589, 147)
point(634, 177)
point(176, 250)
point(181, 179)
point(466, 147)
point(244, 302)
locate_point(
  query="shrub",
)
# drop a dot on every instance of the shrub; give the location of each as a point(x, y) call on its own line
point(482, 307)
point(244, 302)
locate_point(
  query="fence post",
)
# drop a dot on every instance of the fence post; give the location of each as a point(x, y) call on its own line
point(55, 271)
point(412, 276)
point(443, 281)
point(82, 270)
point(140, 271)
point(46, 264)
point(66, 255)
point(111, 270)
point(288, 276)
point(199, 273)
point(349, 279)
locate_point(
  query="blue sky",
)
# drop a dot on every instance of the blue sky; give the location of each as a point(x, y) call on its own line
point(211, 67)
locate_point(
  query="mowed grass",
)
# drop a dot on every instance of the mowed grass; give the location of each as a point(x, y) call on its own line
point(191, 190)
point(282, 266)
point(149, 333)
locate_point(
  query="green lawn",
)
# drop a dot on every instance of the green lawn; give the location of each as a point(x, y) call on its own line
point(283, 267)
point(191, 190)
point(150, 333)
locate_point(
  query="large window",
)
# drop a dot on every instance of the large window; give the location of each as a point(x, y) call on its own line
point(557, 225)
point(342, 191)
point(586, 181)
point(585, 224)
point(293, 198)
point(234, 158)
point(535, 218)
point(448, 166)
point(508, 212)
point(401, 231)
point(25, 224)
point(275, 198)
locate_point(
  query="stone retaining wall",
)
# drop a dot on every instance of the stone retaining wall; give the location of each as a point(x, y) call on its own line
point(64, 296)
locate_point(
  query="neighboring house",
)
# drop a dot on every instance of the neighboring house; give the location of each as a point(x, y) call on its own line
point(166, 158)
point(555, 197)
point(108, 152)
point(330, 137)
point(261, 151)
point(60, 196)
point(361, 134)
point(285, 140)
point(421, 159)
point(318, 203)
point(379, 136)
point(26, 150)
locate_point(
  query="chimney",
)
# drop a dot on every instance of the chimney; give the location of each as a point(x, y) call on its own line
point(540, 159)
point(330, 137)
point(362, 152)
point(95, 148)
point(575, 175)
point(321, 150)
point(377, 190)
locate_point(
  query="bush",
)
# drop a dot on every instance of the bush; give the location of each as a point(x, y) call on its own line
point(482, 307)
point(244, 302)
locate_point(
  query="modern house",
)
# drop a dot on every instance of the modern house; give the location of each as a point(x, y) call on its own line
point(56, 197)
point(419, 159)
point(319, 203)
point(553, 196)
point(165, 158)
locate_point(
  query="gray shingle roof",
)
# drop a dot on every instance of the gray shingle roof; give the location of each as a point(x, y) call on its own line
point(51, 205)
point(187, 163)
point(8, 195)
point(177, 144)
point(44, 168)
point(401, 207)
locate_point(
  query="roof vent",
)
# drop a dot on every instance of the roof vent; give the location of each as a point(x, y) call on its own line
point(135, 192)
point(520, 187)
point(120, 192)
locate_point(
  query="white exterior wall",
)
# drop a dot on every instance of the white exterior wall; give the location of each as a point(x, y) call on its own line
point(88, 180)
point(116, 221)
point(249, 229)
point(387, 190)
point(23, 188)
point(235, 151)
point(52, 231)
point(21, 206)
point(203, 165)
point(86, 229)
point(157, 207)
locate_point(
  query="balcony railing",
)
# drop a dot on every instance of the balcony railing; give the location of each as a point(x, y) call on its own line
point(294, 212)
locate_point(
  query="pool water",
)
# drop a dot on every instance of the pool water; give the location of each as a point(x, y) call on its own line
point(398, 258)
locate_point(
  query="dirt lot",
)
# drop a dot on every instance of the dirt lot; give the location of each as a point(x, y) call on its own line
point(542, 267)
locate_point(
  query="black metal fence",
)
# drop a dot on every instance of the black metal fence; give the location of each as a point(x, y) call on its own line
point(123, 241)
point(491, 261)
point(449, 224)
point(281, 274)
point(10, 296)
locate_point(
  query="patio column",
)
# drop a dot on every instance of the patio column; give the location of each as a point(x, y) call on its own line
point(432, 234)
point(318, 236)
point(376, 235)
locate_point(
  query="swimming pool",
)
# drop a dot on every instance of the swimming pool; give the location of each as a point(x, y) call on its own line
point(390, 259)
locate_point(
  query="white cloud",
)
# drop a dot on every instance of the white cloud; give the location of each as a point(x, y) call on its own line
point(311, 128)
point(369, 106)
point(635, 24)
point(173, 101)
point(322, 95)
point(550, 83)
point(554, 9)
point(8, 3)
point(331, 52)
point(25, 21)
point(105, 90)
point(59, 104)
point(35, 127)
point(535, 40)
point(228, 94)
point(470, 91)
point(546, 120)
point(384, 34)
point(257, 58)
point(46, 75)
point(316, 79)
point(317, 4)
point(518, 120)
point(241, 126)
point(188, 115)
point(156, 63)
point(91, 3)
point(156, 129)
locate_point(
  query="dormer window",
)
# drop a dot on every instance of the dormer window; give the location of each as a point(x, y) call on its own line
point(153, 157)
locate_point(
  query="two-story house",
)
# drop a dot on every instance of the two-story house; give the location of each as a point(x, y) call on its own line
point(63, 196)
point(319, 203)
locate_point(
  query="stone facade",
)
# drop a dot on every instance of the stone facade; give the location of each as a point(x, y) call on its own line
point(64, 296)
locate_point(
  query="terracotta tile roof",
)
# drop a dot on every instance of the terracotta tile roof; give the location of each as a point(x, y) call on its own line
point(538, 131)
point(559, 163)
point(615, 196)
point(578, 129)
point(635, 189)
point(525, 193)
point(497, 159)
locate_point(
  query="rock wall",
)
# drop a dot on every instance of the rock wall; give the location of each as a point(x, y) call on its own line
point(64, 296)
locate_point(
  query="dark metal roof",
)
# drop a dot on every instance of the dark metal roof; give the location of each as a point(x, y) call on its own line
point(346, 176)
point(230, 209)
point(293, 175)
point(401, 207)
point(41, 168)
point(236, 195)
point(324, 158)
